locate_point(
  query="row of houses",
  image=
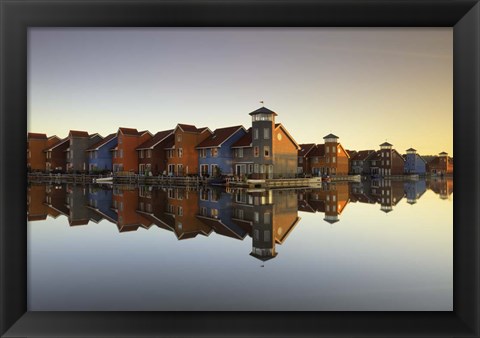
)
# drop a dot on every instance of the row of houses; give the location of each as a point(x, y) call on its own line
point(265, 150)
point(331, 158)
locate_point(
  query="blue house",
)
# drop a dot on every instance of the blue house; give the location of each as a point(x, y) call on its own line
point(414, 190)
point(99, 154)
point(215, 153)
point(414, 163)
point(215, 211)
point(100, 201)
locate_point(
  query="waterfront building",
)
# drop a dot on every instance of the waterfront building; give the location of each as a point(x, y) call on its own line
point(441, 165)
point(76, 155)
point(274, 149)
point(330, 158)
point(360, 162)
point(242, 162)
point(56, 159)
point(151, 154)
point(304, 166)
point(414, 163)
point(387, 161)
point(99, 154)
point(124, 154)
point(182, 157)
point(215, 155)
point(37, 210)
point(36, 156)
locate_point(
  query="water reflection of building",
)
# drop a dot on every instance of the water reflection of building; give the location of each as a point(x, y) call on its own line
point(125, 202)
point(414, 190)
point(182, 206)
point(268, 216)
point(387, 193)
point(441, 186)
point(37, 210)
point(215, 211)
point(100, 203)
point(331, 200)
point(152, 204)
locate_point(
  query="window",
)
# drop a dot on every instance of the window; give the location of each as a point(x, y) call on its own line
point(266, 218)
point(255, 234)
point(149, 153)
point(121, 153)
point(214, 213)
point(256, 151)
point(255, 134)
point(266, 133)
point(179, 138)
point(180, 169)
point(203, 211)
point(255, 168)
point(388, 162)
point(256, 217)
point(266, 151)
point(180, 211)
point(328, 149)
point(383, 154)
point(214, 152)
point(214, 169)
point(334, 159)
point(339, 150)
point(149, 207)
point(250, 168)
point(300, 160)
point(266, 236)
point(141, 153)
point(239, 152)
point(204, 169)
point(120, 139)
point(388, 154)
point(180, 152)
point(203, 153)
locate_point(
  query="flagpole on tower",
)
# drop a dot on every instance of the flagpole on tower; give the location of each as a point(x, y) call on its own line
point(262, 103)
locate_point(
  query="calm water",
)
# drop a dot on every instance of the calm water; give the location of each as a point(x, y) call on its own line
point(379, 245)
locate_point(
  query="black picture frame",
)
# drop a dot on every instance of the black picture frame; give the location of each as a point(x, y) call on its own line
point(17, 16)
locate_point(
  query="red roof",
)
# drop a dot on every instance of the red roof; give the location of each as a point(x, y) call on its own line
point(156, 139)
point(102, 142)
point(57, 144)
point(219, 136)
point(318, 151)
point(188, 128)
point(245, 141)
point(305, 148)
point(37, 136)
point(169, 142)
point(128, 131)
point(78, 133)
point(362, 155)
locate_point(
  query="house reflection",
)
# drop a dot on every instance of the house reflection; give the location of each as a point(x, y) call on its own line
point(268, 217)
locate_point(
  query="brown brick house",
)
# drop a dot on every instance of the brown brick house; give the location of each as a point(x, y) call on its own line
point(440, 165)
point(125, 157)
point(36, 144)
point(56, 159)
point(152, 155)
point(304, 165)
point(387, 161)
point(182, 157)
point(329, 158)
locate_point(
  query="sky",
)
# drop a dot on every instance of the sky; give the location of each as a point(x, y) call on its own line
point(365, 85)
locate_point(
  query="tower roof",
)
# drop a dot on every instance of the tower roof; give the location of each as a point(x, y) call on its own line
point(411, 149)
point(330, 136)
point(263, 110)
point(386, 144)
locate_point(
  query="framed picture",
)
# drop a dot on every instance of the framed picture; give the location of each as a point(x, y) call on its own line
point(20, 21)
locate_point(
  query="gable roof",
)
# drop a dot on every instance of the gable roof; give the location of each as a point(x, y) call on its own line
point(156, 139)
point(37, 136)
point(219, 136)
point(363, 155)
point(263, 110)
point(411, 149)
point(279, 125)
point(386, 144)
point(330, 136)
point(66, 139)
point(97, 145)
point(351, 153)
point(187, 128)
point(78, 133)
point(318, 151)
point(245, 141)
point(305, 149)
point(128, 131)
